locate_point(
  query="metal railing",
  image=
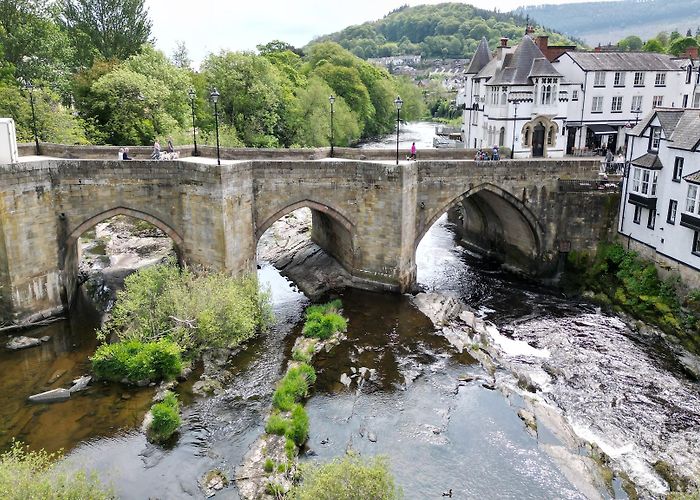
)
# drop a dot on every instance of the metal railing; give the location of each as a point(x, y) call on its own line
point(587, 185)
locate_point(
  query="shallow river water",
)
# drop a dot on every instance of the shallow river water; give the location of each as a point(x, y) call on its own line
point(439, 434)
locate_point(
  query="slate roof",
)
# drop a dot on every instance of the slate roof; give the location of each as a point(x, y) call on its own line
point(481, 58)
point(687, 131)
point(668, 117)
point(489, 70)
point(624, 61)
point(649, 161)
point(693, 178)
point(518, 67)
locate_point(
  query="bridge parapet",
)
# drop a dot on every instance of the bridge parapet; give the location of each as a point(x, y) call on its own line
point(370, 215)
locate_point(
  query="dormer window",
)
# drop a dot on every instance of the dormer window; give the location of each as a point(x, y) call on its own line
point(654, 139)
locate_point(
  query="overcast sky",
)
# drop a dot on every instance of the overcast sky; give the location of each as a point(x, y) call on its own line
point(210, 25)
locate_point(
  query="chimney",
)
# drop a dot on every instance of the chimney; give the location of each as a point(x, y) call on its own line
point(504, 41)
point(542, 42)
point(691, 52)
point(598, 49)
point(529, 30)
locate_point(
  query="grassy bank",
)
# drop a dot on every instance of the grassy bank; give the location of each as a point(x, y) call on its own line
point(624, 281)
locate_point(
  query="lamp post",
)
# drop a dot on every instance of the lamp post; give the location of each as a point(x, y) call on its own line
point(331, 99)
point(214, 96)
point(515, 101)
point(636, 112)
point(30, 88)
point(398, 103)
point(192, 95)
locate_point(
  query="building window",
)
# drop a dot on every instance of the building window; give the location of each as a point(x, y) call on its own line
point(654, 139)
point(672, 209)
point(658, 101)
point(616, 104)
point(636, 103)
point(636, 175)
point(546, 94)
point(678, 169)
point(691, 204)
point(597, 104)
point(654, 182)
point(599, 79)
point(696, 243)
point(550, 136)
point(646, 175)
point(526, 136)
point(502, 137)
point(689, 73)
point(644, 181)
point(696, 101)
point(639, 79)
point(504, 95)
point(660, 80)
point(685, 100)
point(637, 214)
point(619, 80)
point(574, 95)
point(651, 220)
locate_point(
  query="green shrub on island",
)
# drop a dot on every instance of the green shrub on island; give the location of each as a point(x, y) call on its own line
point(37, 474)
point(294, 387)
point(324, 320)
point(196, 311)
point(134, 361)
point(295, 428)
point(166, 418)
point(347, 478)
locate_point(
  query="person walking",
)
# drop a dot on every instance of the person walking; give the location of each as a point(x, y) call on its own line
point(413, 151)
point(155, 155)
point(171, 148)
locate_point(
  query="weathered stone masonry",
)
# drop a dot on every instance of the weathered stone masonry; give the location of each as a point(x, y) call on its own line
point(369, 216)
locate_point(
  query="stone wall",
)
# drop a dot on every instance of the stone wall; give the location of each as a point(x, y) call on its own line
point(369, 215)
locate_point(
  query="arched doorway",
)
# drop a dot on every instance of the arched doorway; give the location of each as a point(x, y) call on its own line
point(538, 141)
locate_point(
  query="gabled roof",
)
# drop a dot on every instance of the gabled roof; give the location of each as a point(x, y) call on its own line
point(481, 58)
point(668, 118)
point(518, 67)
point(648, 160)
point(489, 70)
point(686, 134)
point(624, 61)
point(693, 178)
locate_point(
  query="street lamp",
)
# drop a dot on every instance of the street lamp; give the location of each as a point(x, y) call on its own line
point(214, 96)
point(398, 103)
point(30, 88)
point(515, 101)
point(192, 95)
point(636, 112)
point(331, 99)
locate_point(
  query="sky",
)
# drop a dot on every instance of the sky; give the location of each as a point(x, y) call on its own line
point(209, 25)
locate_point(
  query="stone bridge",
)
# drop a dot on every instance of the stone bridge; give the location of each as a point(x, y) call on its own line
point(369, 215)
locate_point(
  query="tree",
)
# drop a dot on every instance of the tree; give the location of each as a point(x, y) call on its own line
point(680, 45)
point(630, 43)
point(116, 29)
point(181, 56)
point(653, 45)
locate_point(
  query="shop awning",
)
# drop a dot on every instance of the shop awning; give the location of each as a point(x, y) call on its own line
point(601, 129)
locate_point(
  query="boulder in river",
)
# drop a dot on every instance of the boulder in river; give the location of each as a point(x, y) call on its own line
point(440, 308)
point(50, 396)
point(80, 384)
point(22, 342)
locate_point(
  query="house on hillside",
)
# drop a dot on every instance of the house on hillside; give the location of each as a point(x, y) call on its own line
point(660, 205)
point(612, 90)
point(515, 98)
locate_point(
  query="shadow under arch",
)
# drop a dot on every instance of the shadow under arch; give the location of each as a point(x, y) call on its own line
point(306, 203)
point(136, 214)
point(502, 224)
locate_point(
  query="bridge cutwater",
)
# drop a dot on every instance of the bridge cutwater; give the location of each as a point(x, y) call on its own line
point(370, 215)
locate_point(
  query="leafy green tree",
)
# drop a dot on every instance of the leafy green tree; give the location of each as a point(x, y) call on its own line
point(116, 29)
point(181, 57)
point(251, 91)
point(654, 45)
point(34, 44)
point(630, 43)
point(314, 129)
point(680, 45)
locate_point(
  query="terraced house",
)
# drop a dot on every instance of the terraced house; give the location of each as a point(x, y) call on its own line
point(660, 207)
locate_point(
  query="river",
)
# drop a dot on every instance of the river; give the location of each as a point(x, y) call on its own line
point(623, 391)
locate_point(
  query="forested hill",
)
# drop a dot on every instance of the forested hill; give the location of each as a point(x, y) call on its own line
point(602, 22)
point(443, 30)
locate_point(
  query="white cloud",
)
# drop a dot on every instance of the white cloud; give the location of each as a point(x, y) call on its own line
point(210, 25)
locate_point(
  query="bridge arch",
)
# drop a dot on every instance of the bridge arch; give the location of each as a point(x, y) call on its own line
point(497, 223)
point(305, 203)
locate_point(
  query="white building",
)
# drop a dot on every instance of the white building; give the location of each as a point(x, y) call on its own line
point(610, 91)
point(518, 100)
point(660, 206)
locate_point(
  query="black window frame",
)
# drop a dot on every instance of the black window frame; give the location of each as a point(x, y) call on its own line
point(651, 219)
point(637, 219)
point(671, 205)
point(695, 250)
point(678, 169)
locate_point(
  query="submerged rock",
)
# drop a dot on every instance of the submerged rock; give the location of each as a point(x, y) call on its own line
point(440, 308)
point(80, 384)
point(22, 342)
point(55, 376)
point(52, 396)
